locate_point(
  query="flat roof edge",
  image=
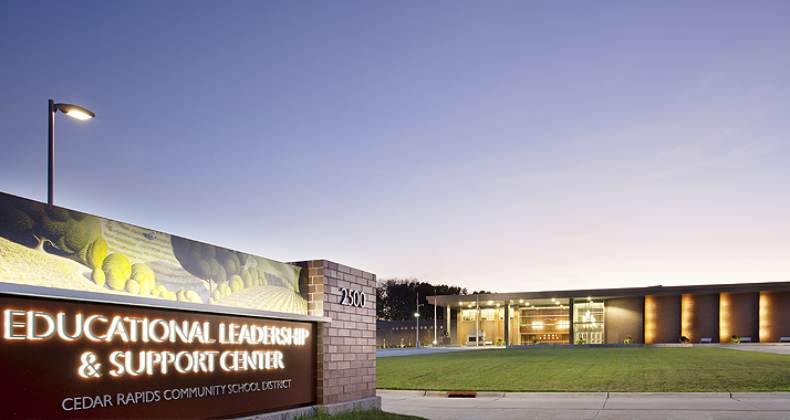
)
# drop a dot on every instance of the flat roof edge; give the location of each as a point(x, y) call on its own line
point(624, 292)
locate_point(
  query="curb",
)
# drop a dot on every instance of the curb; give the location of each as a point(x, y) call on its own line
point(546, 395)
point(675, 395)
point(591, 395)
point(776, 395)
point(403, 393)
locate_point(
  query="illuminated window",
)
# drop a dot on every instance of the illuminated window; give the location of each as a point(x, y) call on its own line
point(545, 324)
point(469, 315)
point(487, 314)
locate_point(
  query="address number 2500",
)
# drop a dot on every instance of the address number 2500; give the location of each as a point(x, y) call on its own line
point(350, 297)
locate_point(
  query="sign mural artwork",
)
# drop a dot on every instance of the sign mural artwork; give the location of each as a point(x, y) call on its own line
point(50, 246)
point(89, 353)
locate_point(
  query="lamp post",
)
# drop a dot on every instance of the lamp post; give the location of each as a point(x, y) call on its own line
point(417, 335)
point(75, 111)
point(417, 314)
point(435, 320)
point(477, 318)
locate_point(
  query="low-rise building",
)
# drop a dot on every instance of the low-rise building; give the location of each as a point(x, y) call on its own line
point(402, 333)
point(755, 312)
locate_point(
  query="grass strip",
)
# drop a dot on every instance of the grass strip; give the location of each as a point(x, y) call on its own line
point(637, 369)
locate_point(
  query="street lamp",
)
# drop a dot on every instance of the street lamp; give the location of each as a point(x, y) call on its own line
point(477, 317)
point(435, 319)
point(74, 111)
point(417, 336)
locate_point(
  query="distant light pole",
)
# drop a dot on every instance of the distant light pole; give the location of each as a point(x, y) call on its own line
point(477, 317)
point(435, 320)
point(74, 111)
point(417, 336)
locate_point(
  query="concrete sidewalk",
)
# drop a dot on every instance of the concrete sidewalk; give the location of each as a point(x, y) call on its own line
point(778, 348)
point(590, 406)
point(411, 351)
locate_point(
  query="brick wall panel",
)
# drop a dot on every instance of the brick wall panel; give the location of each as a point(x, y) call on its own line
point(739, 315)
point(349, 368)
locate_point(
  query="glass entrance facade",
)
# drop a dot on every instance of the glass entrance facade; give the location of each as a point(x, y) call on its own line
point(588, 322)
point(545, 324)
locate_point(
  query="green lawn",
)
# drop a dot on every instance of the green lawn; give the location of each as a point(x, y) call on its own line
point(637, 369)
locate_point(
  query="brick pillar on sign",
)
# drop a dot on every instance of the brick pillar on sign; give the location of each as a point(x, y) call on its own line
point(346, 365)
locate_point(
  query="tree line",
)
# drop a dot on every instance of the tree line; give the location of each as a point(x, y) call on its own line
point(396, 299)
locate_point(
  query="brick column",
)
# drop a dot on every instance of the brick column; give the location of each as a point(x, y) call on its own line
point(449, 319)
point(739, 315)
point(774, 314)
point(699, 317)
point(624, 317)
point(346, 365)
point(662, 319)
point(507, 324)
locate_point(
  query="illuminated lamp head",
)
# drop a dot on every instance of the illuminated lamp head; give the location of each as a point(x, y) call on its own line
point(75, 111)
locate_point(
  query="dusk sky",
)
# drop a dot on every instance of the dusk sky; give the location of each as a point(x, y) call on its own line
point(496, 145)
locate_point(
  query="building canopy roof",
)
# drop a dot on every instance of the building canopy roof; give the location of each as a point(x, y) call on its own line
point(549, 297)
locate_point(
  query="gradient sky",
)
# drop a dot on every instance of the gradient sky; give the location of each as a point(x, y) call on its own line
point(505, 146)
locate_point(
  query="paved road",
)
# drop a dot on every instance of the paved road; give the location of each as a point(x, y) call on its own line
point(590, 406)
